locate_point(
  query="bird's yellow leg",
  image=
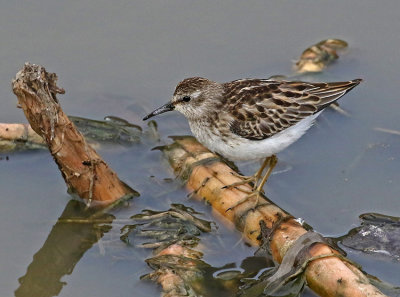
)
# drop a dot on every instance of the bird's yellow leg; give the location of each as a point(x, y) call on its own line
point(271, 161)
point(247, 179)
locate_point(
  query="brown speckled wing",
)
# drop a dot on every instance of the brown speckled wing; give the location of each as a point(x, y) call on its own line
point(262, 108)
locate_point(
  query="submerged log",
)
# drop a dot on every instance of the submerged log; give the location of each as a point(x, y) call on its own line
point(85, 173)
point(206, 176)
point(174, 236)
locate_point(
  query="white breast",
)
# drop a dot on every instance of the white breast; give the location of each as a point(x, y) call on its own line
point(239, 148)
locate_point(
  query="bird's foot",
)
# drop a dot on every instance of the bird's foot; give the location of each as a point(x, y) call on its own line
point(258, 185)
point(245, 180)
point(234, 173)
point(255, 194)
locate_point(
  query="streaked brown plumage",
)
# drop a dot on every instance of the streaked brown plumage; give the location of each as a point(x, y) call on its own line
point(262, 109)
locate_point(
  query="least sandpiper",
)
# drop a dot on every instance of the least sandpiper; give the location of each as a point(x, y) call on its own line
point(250, 119)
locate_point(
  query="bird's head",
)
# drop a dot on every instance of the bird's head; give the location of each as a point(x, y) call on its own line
point(192, 97)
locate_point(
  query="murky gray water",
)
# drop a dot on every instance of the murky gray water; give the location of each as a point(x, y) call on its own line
point(125, 57)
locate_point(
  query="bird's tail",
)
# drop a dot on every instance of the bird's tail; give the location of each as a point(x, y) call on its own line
point(330, 92)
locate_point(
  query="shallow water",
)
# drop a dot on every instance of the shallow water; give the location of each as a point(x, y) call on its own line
point(124, 58)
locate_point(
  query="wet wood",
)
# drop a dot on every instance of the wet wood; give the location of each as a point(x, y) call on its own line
point(14, 135)
point(85, 173)
point(19, 132)
point(206, 175)
point(173, 284)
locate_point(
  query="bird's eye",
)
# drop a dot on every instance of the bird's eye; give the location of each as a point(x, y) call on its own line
point(186, 98)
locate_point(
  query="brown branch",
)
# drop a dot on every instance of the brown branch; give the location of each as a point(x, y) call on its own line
point(85, 173)
point(327, 276)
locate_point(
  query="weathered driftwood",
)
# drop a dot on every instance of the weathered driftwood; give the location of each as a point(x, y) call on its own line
point(85, 173)
point(206, 176)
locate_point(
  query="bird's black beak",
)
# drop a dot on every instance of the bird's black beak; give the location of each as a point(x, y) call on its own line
point(166, 107)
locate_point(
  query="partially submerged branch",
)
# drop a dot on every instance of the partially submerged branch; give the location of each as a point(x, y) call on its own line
point(206, 175)
point(85, 173)
point(20, 136)
point(13, 136)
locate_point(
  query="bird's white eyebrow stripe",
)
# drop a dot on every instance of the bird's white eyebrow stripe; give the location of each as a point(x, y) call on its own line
point(196, 94)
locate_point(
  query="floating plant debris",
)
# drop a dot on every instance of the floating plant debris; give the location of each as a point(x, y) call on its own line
point(318, 56)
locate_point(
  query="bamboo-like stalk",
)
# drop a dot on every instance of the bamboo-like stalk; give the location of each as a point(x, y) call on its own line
point(14, 136)
point(19, 132)
point(85, 173)
point(206, 176)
